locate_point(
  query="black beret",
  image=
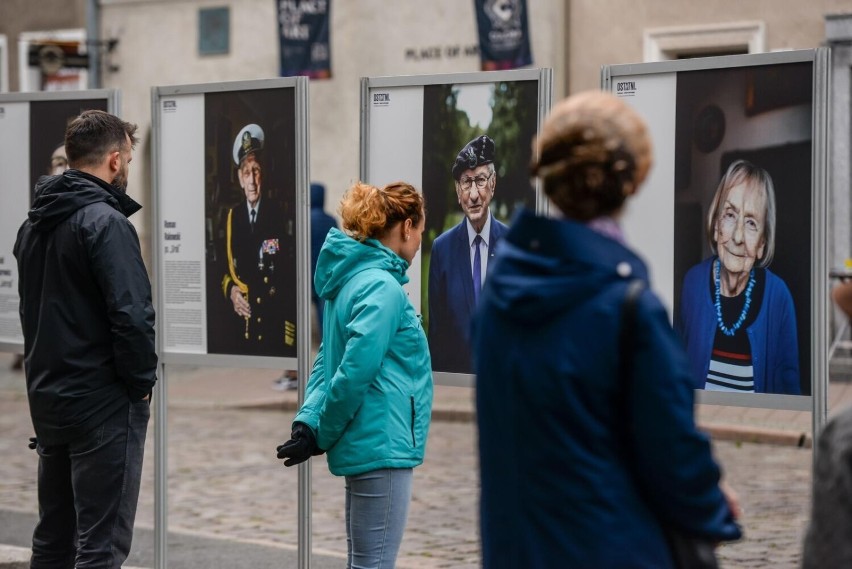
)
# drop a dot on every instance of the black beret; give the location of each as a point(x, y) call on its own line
point(475, 153)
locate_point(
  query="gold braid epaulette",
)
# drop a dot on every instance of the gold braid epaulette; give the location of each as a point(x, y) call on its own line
point(231, 272)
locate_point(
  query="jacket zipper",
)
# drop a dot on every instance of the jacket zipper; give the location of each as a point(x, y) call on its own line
point(413, 442)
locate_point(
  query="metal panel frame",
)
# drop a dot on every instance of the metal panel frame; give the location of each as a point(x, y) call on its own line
point(543, 76)
point(113, 99)
point(817, 402)
point(303, 334)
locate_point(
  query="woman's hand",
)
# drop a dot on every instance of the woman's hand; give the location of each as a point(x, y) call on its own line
point(301, 446)
point(732, 499)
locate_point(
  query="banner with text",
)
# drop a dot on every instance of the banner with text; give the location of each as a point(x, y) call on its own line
point(504, 41)
point(303, 27)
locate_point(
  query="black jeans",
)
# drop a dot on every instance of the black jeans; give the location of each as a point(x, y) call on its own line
point(87, 494)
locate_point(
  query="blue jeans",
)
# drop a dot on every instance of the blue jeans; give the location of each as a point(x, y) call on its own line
point(87, 494)
point(376, 512)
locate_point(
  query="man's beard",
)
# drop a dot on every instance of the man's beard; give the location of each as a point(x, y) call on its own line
point(120, 181)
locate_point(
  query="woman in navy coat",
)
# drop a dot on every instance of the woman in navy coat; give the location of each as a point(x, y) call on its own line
point(588, 444)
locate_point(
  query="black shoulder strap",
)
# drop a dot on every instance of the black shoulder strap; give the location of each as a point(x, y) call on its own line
point(628, 326)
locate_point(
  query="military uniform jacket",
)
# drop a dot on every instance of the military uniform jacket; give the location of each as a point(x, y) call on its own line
point(261, 263)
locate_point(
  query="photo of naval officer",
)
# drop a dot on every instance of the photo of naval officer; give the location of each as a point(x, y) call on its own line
point(259, 255)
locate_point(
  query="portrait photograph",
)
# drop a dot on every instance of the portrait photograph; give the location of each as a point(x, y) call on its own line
point(477, 146)
point(742, 230)
point(250, 222)
point(48, 121)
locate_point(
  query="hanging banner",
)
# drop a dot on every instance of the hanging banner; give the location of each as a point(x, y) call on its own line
point(303, 27)
point(504, 41)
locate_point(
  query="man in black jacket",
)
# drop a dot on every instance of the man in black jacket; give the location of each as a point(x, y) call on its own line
point(89, 352)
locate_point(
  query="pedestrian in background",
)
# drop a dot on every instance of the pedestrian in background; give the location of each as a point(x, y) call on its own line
point(89, 354)
point(827, 544)
point(368, 400)
point(321, 224)
point(588, 447)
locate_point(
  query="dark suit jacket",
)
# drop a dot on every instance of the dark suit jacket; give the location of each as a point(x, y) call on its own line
point(451, 297)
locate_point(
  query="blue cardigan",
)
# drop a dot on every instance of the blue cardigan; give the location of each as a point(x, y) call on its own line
point(580, 465)
point(772, 335)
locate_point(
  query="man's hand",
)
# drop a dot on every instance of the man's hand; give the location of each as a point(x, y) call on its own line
point(301, 446)
point(241, 305)
point(33, 443)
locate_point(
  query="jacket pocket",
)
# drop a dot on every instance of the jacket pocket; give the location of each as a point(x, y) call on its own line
point(413, 417)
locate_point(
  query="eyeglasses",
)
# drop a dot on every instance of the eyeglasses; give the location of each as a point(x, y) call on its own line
point(466, 182)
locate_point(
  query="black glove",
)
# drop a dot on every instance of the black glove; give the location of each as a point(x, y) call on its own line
point(33, 443)
point(301, 446)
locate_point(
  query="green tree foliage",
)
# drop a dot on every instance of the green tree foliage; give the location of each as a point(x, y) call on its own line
point(513, 126)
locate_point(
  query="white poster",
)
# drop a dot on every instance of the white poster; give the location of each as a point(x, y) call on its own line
point(397, 114)
point(14, 203)
point(32, 145)
point(725, 219)
point(649, 219)
point(227, 176)
point(184, 319)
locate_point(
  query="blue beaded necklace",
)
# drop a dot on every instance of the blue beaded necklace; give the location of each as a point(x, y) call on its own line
point(733, 329)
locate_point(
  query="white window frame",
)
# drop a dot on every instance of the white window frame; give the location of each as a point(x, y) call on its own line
point(4, 64)
point(663, 44)
point(25, 77)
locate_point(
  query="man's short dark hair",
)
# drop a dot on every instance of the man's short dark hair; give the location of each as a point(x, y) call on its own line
point(93, 135)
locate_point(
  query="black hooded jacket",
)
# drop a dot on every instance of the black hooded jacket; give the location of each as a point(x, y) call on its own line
point(86, 309)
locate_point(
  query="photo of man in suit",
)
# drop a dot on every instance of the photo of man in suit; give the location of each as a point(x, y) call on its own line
point(459, 258)
point(259, 252)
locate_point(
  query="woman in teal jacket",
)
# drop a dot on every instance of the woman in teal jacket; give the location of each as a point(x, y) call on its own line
point(369, 398)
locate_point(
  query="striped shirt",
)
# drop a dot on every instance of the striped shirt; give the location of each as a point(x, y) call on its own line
point(730, 360)
point(730, 371)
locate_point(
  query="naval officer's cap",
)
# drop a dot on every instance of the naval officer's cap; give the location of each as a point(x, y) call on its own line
point(249, 140)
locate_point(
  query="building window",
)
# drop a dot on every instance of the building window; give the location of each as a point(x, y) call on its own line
point(681, 42)
point(53, 61)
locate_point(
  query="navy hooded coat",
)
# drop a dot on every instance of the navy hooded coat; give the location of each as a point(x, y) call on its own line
point(581, 465)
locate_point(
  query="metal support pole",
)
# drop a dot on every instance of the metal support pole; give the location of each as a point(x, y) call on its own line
point(93, 44)
point(161, 481)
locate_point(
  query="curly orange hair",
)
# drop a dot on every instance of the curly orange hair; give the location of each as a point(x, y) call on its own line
point(369, 212)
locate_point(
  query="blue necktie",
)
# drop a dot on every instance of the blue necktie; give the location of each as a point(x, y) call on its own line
point(477, 269)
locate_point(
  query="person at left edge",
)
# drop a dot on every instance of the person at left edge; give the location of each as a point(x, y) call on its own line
point(459, 258)
point(369, 397)
point(260, 280)
point(89, 353)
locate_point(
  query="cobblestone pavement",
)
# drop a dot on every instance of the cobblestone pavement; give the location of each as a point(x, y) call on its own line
point(224, 480)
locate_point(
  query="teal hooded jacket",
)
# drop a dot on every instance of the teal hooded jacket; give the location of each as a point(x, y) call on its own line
point(369, 397)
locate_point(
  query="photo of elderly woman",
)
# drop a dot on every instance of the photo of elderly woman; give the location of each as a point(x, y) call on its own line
point(742, 242)
point(737, 317)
